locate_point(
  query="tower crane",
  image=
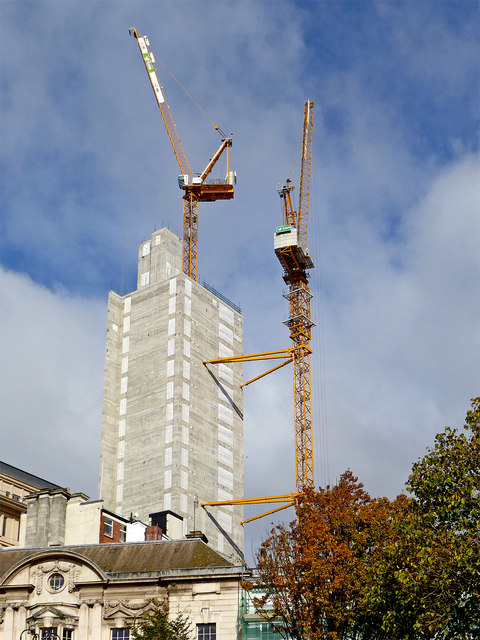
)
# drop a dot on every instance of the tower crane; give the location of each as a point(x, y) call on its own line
point(197, 187)
point(290, 244)
point(291, 249)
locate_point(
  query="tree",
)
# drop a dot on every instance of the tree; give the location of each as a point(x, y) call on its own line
point(352, 567)
point(431, 584)
point(156, 625)
point(315, 572)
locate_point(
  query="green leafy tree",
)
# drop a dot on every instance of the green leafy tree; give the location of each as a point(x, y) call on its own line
point(430, 587)
point(156, 625)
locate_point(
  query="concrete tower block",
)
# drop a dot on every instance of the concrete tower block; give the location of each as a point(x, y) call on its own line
point(172, 429)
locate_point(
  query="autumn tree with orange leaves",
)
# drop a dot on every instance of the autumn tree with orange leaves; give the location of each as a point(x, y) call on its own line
point(315, 572)
point(352, 567)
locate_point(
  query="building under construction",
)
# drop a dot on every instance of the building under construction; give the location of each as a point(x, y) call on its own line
point(172, 436)
point(172, 431)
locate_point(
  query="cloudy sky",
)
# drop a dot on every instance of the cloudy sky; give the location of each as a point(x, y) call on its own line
point(87, 174)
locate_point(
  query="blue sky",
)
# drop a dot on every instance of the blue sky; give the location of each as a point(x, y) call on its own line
point(87, 174)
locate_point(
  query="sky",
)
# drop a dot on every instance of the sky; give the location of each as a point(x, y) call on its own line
point(87, 174)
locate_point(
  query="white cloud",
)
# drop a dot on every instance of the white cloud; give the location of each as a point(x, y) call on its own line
point(403, 354)
point(51, 382)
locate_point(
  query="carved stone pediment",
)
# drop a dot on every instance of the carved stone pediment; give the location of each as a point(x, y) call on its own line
point(68, 614)
point(114, 608)
point(45, 610)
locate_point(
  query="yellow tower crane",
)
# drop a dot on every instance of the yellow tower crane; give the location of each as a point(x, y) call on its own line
point(291, 249)
point(290, 243)
point(196, 186)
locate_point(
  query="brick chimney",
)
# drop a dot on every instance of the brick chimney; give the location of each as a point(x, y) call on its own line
point(153, 532)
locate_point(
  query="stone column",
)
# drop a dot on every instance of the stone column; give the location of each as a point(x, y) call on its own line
point(83, 622)
point(96, 622)
point(8, 623)
point(20, 621)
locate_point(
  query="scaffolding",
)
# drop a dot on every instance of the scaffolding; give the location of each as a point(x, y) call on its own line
point(253, 626)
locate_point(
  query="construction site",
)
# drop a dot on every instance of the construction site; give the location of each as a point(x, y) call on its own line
point(174, 368)
point(239, 311)
point(172, 440)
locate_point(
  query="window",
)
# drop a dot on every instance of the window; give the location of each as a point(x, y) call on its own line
point(56, 582)
point(206, 631)
point(53, 633)
point(120, 634)
point(108, 527)
point(15, 497)
point(123, 532)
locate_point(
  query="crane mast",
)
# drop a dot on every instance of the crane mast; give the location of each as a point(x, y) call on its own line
point(196, 187)
point(291, 250)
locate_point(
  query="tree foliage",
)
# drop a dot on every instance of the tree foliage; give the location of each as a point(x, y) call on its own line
point(434, 566)
point(315, 572)
point(354, 567)
point(156, 625)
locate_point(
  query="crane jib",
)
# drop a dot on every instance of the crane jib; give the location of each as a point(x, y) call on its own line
point(150, 64)
point(143, 45)
point(156, 87)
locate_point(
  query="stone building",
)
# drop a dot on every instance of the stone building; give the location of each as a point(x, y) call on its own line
point(172, 428)
point(92, 592)
point(15, 485)
point(56, 517)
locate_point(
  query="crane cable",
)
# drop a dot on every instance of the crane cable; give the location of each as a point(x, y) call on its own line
point(296, 153)
point(217, 128)
point(319, 389)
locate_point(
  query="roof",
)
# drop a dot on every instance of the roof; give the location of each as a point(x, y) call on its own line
point(26, 477)
point(136, 557)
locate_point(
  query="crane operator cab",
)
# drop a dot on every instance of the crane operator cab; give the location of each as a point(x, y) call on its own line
point(293, 258)
point(208, 189)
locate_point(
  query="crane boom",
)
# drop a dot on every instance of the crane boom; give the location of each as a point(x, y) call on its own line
point(197, 188)
point(304, 197)
point(149, 61)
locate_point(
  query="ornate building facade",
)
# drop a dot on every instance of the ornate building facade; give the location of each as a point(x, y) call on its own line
point(93, 592)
